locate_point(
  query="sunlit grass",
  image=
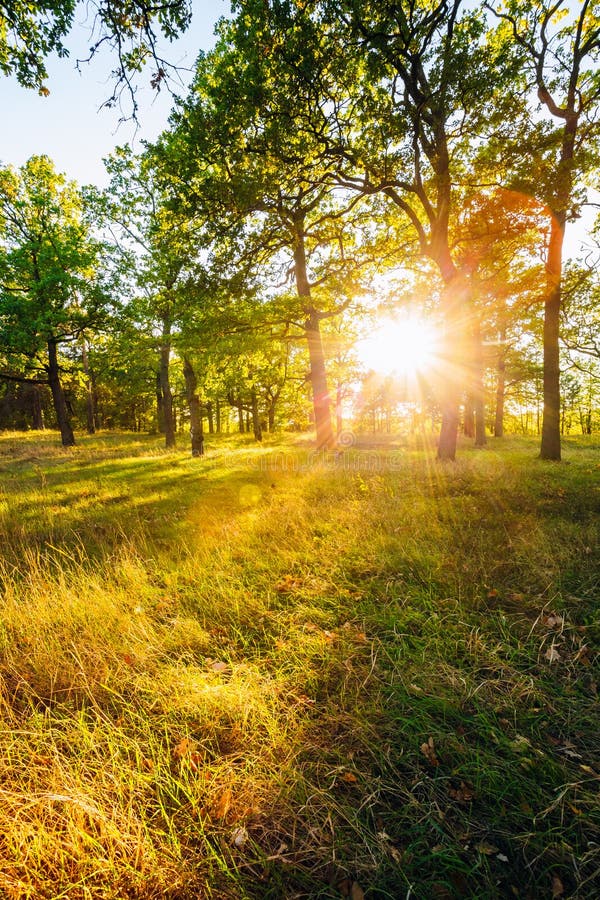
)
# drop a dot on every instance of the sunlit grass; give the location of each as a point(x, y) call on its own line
point(218, 675)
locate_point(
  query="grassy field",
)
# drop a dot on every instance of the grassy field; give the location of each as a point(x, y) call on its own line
point(273, 674)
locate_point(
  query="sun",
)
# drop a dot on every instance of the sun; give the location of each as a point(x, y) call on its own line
point(406, 345)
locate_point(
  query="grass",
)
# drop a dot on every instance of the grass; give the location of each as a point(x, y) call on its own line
point(271, 674)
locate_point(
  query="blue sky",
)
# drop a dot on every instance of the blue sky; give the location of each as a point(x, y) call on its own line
point(68, 125)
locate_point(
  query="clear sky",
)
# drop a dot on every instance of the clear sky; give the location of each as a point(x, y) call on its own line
point(68, 125)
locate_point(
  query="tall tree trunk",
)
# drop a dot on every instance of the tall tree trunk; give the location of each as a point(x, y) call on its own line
point(478, 385)
point(454, 355)
point(160, 406)
point(58, 397)
point(165, 383)
point(312, 328)
point(550, 445)
point(500, 388)
point(218, 415)
point(256, 426)
point(36, 409)
point(241, 425)
point(469, 416)
point(210, 417)
point(191, 386)
point(89, 395)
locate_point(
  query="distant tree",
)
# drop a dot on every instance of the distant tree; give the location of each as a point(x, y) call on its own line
point(50, 287)
point(559, 44)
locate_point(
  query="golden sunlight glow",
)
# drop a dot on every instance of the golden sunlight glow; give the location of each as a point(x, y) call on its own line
point(404, 345)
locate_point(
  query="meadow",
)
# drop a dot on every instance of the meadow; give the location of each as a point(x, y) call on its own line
point(270, 673)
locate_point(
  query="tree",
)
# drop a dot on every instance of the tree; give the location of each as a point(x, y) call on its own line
point(29, 32)
point(50, 287)
point(560, 48)
point(403, 97)
point(237, 160)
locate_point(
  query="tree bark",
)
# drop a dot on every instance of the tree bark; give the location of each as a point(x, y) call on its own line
point(210, 417)
point(36, 409)
point(478, 385)
point(191, 386)
point(256, 426)
point(454, 357)
point(160, 406)
point(500, 388)
point(469, 416)
point(89, 396)
point(318, 374)
point(165, 384)
point(58, 397)
point(550, 445)
point(218, 415)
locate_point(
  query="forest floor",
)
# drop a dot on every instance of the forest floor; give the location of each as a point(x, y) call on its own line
point(276, 674)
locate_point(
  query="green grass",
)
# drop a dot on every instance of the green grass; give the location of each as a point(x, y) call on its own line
point(270, 674)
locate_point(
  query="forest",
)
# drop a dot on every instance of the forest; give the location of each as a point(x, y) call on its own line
point(299, 471)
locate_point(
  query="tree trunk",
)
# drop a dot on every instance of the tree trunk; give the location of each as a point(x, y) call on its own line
point(469, 416)
point(271, 415)
point(191, 385)
point(241, 425)
point(478, 385)
point(58, 397)
point(550, 445)
point(165, 384)
point(89, 397)
point(36, 409)
point(210, 417)
point(454, 358)
point(218, 415)
point(160, 406)
point(318, 374)
point(256, 426)
point(500, 388)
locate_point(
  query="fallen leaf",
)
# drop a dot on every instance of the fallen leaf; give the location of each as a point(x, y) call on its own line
point(182, 748)
point(219, 667)
point(356, 892)
point(222, 805)
point(558, 887)
point(552, 654)
point(349, 778)
point(501, 857)
point(463, 794)
point(428, 750)
point(196, 760)
point(552, 620)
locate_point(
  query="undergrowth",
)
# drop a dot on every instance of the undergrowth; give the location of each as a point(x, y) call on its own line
point(270, 673)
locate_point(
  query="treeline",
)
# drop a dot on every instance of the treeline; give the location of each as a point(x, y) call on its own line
point(331, 159)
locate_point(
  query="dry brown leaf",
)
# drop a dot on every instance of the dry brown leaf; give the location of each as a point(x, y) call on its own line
point(219, 666)
point(428, 751)
point(552, 654)
point(182, 748)
point(349, 778)
point(356, 892)
point(463, 794)
point(552, 620)
point(222, 805)
point(558, 887)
